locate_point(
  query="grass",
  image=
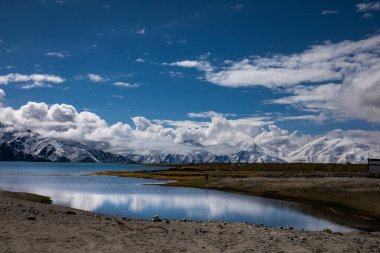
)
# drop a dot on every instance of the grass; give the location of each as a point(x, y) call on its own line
point(32, 197)
point(289, 167)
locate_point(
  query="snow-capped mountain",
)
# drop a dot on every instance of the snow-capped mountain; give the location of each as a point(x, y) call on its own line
point(331, 150)
point(30, 146)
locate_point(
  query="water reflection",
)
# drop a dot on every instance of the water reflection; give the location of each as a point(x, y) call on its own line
point(204, 205)
point(131, 197)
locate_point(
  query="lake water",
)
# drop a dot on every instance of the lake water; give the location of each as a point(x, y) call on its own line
point(70, 184)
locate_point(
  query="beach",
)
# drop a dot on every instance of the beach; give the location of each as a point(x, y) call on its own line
point(29, 226)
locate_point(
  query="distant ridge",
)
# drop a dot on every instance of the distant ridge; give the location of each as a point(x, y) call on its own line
point(30, 146)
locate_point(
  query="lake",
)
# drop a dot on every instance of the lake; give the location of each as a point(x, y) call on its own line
point(72, 185)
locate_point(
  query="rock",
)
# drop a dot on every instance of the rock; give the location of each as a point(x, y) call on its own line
point(156, 218)
point(31, 218)
point(70, 212)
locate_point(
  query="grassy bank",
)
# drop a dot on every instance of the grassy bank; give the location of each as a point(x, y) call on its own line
point(269, 167)
point(31, 197)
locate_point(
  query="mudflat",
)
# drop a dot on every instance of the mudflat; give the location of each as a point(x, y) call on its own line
point(27, 226)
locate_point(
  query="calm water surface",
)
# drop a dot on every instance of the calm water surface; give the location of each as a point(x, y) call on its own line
point(70, 184)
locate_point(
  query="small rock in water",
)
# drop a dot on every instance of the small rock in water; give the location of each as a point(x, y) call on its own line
point(184, 219)
point(156, 218)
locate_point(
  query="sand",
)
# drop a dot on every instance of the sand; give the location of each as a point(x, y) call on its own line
point(27, 226)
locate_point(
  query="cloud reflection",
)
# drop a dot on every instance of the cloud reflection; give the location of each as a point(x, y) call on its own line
point(205, 206)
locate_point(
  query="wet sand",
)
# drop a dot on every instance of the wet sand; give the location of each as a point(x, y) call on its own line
point(27, 226)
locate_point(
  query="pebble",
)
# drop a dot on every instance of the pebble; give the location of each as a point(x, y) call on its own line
point(156, 218)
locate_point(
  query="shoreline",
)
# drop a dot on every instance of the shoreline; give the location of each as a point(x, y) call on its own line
point(32, 226)
point(347, 201)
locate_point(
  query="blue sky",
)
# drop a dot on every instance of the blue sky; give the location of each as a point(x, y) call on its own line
point(165, 59)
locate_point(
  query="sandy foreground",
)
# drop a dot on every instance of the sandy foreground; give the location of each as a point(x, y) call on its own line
point(27, 226)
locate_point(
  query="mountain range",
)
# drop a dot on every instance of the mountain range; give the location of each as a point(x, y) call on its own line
point(30, 146)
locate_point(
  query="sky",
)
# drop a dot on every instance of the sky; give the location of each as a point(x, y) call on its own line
point(306, 66)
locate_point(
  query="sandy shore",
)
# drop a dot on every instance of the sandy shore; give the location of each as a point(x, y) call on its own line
point(27, 226)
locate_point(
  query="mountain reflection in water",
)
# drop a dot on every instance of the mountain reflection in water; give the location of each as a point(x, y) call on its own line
point(132, 197)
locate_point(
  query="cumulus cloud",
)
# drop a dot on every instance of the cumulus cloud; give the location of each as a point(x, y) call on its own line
point(2, 95)
point(31, 81)
point(65, 121)
point(147, 136)
point(324, 77)
point(96, 78)
point(201, 65)
point(140, 60)
point(367, 7)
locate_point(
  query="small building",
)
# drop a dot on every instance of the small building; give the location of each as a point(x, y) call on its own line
point(374, 166)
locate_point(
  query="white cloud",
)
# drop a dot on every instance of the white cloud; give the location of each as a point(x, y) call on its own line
point(329, 12)
point(367, 15)
point(312, 117)
point(311, 97)
point(369, 6)
point(2, 95)
point(176, 74)
point(201, 65)
point(96, 78)
point(347, 68)
point(118, 96)
point(140, 60)
point(237, 7)
point(141, 30)
point(65, 121)
point(180, 42)
point(31, 81)
point(209, 114)
point(63, 54)
point(61, 1)
point(126, 84)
